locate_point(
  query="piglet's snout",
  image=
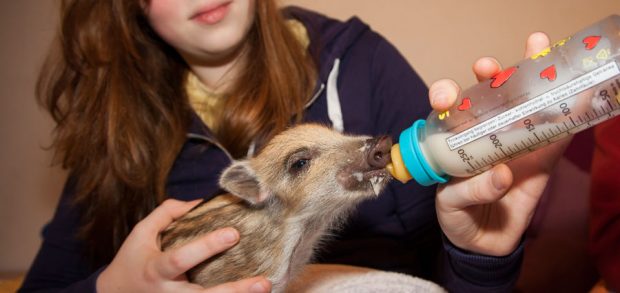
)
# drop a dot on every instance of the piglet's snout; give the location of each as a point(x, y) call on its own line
point(378, 155)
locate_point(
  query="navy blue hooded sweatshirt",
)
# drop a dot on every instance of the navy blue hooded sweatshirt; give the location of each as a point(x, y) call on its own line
point(365, 86)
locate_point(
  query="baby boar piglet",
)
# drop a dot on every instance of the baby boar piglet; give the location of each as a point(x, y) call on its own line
point(302, 185)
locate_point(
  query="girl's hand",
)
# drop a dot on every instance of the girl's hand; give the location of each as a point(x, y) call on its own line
point(489, 213)
point(141, 266)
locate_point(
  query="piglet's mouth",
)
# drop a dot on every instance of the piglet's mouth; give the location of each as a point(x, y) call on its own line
point(377, 179)
point(373, 180)
point(375, 173)
point(377, 159)
point(368, 172)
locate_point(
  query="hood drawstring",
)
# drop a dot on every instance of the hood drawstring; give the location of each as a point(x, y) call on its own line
point(334, 110)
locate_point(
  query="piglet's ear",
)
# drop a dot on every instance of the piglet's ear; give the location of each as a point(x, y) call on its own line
point(240, 180)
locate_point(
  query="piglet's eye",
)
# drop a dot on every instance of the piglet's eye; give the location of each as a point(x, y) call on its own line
point(300, 164)
point(297, 162)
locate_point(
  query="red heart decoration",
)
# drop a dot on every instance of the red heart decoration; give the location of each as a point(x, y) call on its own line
point(465, 104)
point(549, 73)
point(500, 78)
point(591, 42)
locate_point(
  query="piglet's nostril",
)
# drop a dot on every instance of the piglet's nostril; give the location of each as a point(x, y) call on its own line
point(379, 152)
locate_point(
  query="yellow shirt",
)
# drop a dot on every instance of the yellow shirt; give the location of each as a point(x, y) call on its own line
point(207, 103)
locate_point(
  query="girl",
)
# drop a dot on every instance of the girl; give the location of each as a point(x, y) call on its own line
point(153, 99)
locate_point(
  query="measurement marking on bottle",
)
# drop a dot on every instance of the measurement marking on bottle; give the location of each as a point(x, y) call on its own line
point(533, 144)
point(549, 132)
point(571, 120)
point(603, 109)
point(536, 104)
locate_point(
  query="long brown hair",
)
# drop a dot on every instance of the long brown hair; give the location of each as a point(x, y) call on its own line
point(116, 92)
point(274, 87)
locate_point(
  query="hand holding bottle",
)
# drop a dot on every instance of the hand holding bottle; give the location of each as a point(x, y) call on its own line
point(489, 213)
point(557, 92)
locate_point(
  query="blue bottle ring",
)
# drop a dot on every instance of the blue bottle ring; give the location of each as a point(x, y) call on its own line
point(414, 160)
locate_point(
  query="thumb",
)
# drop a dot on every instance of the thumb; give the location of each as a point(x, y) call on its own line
point(484, 188)
point(536, 43)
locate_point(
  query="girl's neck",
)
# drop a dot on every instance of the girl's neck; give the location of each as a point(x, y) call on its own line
point(219, 74)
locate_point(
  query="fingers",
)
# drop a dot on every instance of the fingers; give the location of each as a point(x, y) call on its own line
point(443, 94)
point(536, 43)
point(484, 188)
point(252, 285)
point(163, 215)
point(175, 262)
point(485, 68)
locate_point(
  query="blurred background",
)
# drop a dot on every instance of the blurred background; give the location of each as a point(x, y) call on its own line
point(440, 39)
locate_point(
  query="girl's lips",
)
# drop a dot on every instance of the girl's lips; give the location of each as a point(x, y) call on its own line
point(212, 15)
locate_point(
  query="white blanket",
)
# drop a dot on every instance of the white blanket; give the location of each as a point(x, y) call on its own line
point(323, 278)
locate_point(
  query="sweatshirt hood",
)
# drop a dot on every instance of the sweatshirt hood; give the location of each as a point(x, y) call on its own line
point(330, 38)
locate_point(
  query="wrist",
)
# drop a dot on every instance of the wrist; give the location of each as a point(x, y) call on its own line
point(485, 270)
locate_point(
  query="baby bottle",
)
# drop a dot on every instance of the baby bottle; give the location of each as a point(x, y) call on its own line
point(566, 88)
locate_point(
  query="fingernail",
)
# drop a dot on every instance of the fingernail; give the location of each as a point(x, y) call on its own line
point(439, 98)
point(497, 181)
point(258, 287)
point(228, 235)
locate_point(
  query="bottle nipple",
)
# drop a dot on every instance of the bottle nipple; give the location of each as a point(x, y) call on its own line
point(397, 166)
